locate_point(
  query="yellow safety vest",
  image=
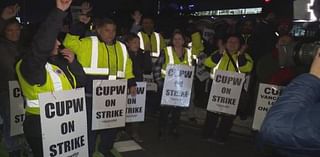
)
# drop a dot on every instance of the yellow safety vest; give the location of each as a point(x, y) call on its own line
point(97, 58)
point(225, 64)
point(56, 80)
point(155, 42)
point(172, 58)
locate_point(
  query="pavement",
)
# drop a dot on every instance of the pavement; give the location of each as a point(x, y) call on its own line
point(189, 144)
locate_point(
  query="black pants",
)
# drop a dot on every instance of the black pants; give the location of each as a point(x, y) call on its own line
point(219, 131)
point(107, 136)
point(164, 117)
point(32, 132)
point(153, 100)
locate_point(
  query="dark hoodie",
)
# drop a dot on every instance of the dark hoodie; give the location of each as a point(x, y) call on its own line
point(9, 54)
point(141, 63)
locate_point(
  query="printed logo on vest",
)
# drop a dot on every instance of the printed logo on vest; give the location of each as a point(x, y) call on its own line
point(59, 72)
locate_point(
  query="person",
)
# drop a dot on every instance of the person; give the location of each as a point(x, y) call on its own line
point(178, 53)
point(291, 126)
point(149, 39)
point(195, 43)
point(10, 50)
point(153, 42)
point(263, 37)
point(46, 69)
point(136, 27)
point(222, 59)
point(246, 30)
point(142, 64)
point(111, 62)
point(284, 58)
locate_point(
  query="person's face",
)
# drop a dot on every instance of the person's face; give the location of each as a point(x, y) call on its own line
point(107, 33)
point(147, 25)
point(56, 48)
point(233, 44)
point(12, 32)
point(134, 45)
point(137, 13)
point(177, 40)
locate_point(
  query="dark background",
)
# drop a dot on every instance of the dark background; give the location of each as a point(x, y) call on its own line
point(35, 10)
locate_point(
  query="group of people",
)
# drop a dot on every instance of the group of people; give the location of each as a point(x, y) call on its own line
point(56, 61)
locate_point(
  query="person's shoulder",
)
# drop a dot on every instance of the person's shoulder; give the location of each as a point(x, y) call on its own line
point(3, 42)
point(89, 38)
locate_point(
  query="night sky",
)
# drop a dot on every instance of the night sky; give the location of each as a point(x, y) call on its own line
point(35, 10)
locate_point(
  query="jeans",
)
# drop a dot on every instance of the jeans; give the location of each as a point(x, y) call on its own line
point(213, 129)
point(32, 131)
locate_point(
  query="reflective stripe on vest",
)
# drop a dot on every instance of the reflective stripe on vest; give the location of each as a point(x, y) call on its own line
point(213, 71)
point(171, 58)
point(121, 74)
point(93, 69)
point(32, 103)
point(190, 44)
point(141, 40)
point(163, 72)
point(217, 66)
point(156, 54)
point(189, 53)
point(193, 56)
point(157, 35)
point(56, 81)
point(170, 55)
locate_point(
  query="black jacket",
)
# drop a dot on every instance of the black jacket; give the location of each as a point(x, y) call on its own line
point(10, 53)
point(141, 63)
point(33, 63)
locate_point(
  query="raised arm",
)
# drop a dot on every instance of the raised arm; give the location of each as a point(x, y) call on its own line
point(33, 64)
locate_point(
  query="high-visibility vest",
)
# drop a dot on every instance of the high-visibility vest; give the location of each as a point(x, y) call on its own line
point(194, 57)
point(224, 60)
point(56, 80)
point(172, 58)
point(95, 70)
point(154, 41)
